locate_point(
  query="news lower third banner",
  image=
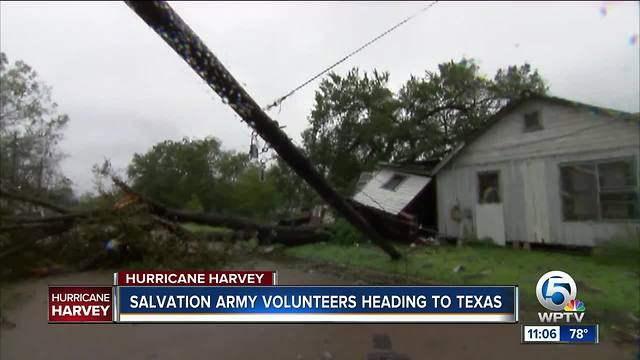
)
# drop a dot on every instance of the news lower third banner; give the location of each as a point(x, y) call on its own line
point(255, 297)
point(317, 304)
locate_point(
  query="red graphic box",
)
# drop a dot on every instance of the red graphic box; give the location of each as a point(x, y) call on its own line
point(91, 304)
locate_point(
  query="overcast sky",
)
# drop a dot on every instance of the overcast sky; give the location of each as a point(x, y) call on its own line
point(125, 89)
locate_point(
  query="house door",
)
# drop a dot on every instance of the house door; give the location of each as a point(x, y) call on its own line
point(490, 222)
point(489, 211)
point(535, 202)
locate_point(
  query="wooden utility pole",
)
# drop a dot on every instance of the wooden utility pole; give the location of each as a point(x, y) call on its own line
point(14, 160)
point(177, 34)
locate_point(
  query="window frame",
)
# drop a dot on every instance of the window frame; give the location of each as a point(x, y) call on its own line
point(632, 189)
point(535, 128)
point(479, 196)
point(395, 175)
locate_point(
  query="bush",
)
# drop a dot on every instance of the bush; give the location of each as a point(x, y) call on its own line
point(343, 233)
point(194, 204)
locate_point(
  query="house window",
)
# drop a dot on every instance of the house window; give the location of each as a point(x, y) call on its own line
point(393, 183)
point(532, 121)
point(618, 190)
point(604, 190)
point(489, 187)
point(579, 192)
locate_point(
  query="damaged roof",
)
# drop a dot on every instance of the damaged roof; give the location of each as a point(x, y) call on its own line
point(377, 195)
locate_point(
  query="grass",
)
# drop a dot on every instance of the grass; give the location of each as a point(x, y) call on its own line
point(606, 288)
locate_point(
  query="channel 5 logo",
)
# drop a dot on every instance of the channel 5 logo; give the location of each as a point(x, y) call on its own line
point(556, 291)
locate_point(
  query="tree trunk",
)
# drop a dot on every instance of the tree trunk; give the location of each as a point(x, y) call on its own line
point(267, 233)
point(13, 195)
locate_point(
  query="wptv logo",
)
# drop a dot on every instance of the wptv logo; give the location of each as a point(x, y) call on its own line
point(557, 292)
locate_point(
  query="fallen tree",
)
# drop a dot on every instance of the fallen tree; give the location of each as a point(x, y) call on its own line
point(14, 195)
point(177, 215)
point(68, 217)
point(166, 217)
point(266, 233)
point(36, 232)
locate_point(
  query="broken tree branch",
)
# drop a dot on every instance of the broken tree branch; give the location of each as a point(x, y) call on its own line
point(31, 226)
point(36, 232)
point(287, 235)
point(172, 227)
point(68, 217)
point(30, 233)
point(157, 208)
point(32, 200)
point(177, 34)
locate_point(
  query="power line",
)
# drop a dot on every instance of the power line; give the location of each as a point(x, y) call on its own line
point(279, 100)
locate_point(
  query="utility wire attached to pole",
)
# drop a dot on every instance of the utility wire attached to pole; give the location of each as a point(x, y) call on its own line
point(279, 100)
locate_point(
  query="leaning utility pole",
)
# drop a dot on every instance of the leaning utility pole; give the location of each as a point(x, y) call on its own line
point(175, 32)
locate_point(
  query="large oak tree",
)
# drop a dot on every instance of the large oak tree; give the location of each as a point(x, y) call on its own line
point(358, 121)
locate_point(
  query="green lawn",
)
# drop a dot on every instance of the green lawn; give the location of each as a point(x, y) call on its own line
point(606, 287)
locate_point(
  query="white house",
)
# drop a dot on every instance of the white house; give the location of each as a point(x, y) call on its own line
point(544, 170)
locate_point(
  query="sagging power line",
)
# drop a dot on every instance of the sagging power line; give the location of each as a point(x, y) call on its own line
point(279, 100)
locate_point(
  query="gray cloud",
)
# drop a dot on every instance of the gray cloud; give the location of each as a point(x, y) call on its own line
point(125, 90)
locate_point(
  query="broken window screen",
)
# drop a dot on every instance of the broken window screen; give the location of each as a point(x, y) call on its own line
point(394, 182)
point(532, 121)
point(579, 192)
point(600, 191)
point(489, 187)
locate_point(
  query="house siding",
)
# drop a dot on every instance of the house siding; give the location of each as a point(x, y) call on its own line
point(459, 187)
point(529, 173)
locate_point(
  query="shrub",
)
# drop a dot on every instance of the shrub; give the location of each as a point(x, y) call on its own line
point(343, 233)
point(194, 204)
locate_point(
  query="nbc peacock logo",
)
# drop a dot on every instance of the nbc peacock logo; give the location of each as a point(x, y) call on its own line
point(574, 305)
point(556, 291)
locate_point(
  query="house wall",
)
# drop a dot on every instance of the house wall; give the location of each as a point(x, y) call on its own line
point(529, 173)
point(424, 207)
point(390, 201)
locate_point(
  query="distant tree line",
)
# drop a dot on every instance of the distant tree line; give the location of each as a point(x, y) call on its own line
point(197, 174)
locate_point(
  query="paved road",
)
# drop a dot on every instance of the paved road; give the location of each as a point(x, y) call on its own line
point(33, 338)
